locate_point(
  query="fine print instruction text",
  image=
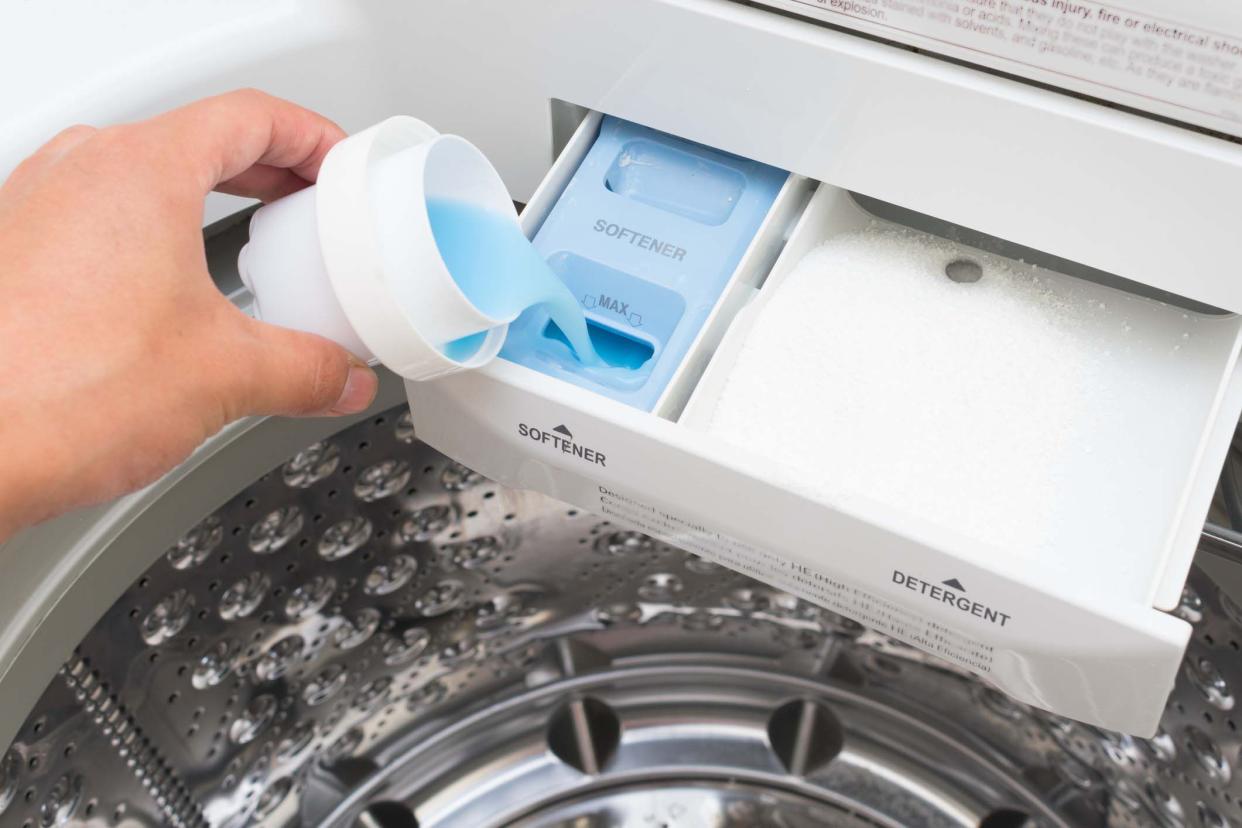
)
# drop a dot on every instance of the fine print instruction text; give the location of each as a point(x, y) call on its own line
point(852, 602)
point(1099, 48)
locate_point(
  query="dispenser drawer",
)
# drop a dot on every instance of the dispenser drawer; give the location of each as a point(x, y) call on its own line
point(1040, 558)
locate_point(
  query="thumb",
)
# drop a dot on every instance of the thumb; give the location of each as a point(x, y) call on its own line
point(300, 374)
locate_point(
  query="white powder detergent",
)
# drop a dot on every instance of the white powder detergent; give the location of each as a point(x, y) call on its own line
point(1029, 410)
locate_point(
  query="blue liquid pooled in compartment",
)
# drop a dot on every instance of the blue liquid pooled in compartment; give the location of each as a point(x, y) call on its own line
point(501, 274)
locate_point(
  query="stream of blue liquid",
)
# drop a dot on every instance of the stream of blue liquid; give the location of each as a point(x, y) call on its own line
point(500, 272)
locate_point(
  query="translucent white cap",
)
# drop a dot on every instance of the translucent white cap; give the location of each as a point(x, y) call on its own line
point(353, 258)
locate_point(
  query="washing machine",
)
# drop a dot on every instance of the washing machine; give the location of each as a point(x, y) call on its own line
point(330, 622)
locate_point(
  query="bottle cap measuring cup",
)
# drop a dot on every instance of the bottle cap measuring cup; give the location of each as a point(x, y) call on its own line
point(353, 257)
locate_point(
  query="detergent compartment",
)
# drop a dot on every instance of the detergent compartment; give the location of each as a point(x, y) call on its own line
point(648, 233)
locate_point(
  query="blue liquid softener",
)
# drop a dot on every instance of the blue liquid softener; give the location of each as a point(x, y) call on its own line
point(501, 274)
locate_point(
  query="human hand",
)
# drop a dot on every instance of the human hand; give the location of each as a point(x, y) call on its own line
point(119, 354)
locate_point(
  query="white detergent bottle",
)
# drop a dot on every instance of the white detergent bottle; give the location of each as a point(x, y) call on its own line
point(407, 251)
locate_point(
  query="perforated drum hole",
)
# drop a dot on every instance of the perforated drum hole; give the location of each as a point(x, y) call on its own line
point(805, 735)
point(1006, 818)
point(964, 271)
point(584, 734)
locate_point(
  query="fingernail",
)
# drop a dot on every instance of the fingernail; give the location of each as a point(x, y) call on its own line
point(359, 391)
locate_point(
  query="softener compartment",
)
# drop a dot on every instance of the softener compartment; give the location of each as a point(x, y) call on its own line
point(648, 232)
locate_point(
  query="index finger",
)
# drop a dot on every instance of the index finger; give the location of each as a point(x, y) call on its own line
point(225, 136)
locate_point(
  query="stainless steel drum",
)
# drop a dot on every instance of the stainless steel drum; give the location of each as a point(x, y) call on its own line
point(373, 635)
